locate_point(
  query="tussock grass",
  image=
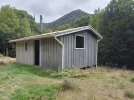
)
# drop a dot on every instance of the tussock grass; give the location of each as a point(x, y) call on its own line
point(7, 59)
point(2, 63)
point(132, 80)
point(101, 84)
point(68, 84)
point(129, 94)
point(25, 82)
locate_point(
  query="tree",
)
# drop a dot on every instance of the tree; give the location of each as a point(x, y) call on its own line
point(14, 24)
point(116, 24)
point(24, 28)
point(96, 20)
point(84, 21)
point(9, 22)
point(64, 27)
point(46, 30)
point(34, 27)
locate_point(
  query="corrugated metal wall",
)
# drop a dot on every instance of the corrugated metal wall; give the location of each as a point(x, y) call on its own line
point(79, 57)
point(51, 53)
point(25, 57)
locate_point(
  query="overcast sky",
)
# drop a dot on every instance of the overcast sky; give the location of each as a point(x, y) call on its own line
point(53, 9)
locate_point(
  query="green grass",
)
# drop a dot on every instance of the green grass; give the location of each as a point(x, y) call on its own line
point(33, 70)
point(36, 92)
point(17, 82)
point(26, 82)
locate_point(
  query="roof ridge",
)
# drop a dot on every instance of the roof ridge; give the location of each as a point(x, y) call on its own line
point(59, 33)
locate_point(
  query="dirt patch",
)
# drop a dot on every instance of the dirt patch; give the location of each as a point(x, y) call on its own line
point(7, 59)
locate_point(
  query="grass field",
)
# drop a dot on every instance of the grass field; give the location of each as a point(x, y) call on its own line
point(25, 82)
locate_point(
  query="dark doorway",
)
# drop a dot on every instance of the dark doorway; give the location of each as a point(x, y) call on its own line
point(37, 52)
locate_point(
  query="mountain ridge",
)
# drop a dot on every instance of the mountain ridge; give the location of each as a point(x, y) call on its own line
point(68, 18)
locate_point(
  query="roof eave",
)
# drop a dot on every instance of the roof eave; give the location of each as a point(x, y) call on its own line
point(36, 37)
point(59, 33)
point(85, 28)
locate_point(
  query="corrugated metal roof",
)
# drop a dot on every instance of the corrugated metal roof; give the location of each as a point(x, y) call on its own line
point(59, 33)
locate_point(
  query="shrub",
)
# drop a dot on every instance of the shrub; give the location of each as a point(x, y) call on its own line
point(67, 84)
point(1, 55)
point(77, 73)
point(2, 63)
point(132, 80)
point(129, 94)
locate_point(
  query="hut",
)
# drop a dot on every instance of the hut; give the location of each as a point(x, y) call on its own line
point(62, 49)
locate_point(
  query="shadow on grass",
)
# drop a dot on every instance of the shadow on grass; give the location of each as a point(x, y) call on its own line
point(35, 70)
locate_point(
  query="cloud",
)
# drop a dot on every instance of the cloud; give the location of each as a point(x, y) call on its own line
point(53, 9)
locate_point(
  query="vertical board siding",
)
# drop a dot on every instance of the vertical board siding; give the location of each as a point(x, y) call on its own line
point(51, 54)
point(79, 57)
point(25, 57)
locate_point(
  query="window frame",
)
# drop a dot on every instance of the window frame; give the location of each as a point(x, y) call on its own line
point(75, 41)
point(25, 46)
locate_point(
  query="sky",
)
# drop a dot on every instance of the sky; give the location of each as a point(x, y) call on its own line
point(54, 9)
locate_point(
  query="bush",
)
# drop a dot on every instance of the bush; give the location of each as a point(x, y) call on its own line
point(67, 84)
point(1, 55)
point(129, 94)
point(77, 73)
point(132, 80)
point(2, 63)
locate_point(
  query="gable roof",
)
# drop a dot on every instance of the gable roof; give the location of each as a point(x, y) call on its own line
point(59, 33)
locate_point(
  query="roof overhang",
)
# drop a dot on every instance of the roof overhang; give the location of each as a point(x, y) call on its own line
point(59, 33)
point(69, 31)
point(36, 37)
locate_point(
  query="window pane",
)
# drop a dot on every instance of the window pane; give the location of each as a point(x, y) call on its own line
point(26, 46)
point(79, 42)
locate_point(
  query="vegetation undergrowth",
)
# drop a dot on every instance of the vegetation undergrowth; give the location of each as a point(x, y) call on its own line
point(74, 72)
point(129, 94)
point(132, 80)
point(20, 81)
point(35, 70)
point(1, 56)
point(68, 84)
point(36, 92)
point(2, 63)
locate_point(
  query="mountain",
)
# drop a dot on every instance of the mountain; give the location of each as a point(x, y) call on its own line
point(66, 19)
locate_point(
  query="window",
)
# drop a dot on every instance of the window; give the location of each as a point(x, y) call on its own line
point(26, 46)
point(79, 42)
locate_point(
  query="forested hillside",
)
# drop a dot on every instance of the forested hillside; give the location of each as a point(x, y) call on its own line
point(14, 24)
point(116, 24)
point(69, 18)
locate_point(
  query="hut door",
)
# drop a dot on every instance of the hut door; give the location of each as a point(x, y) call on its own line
point(37, 52)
